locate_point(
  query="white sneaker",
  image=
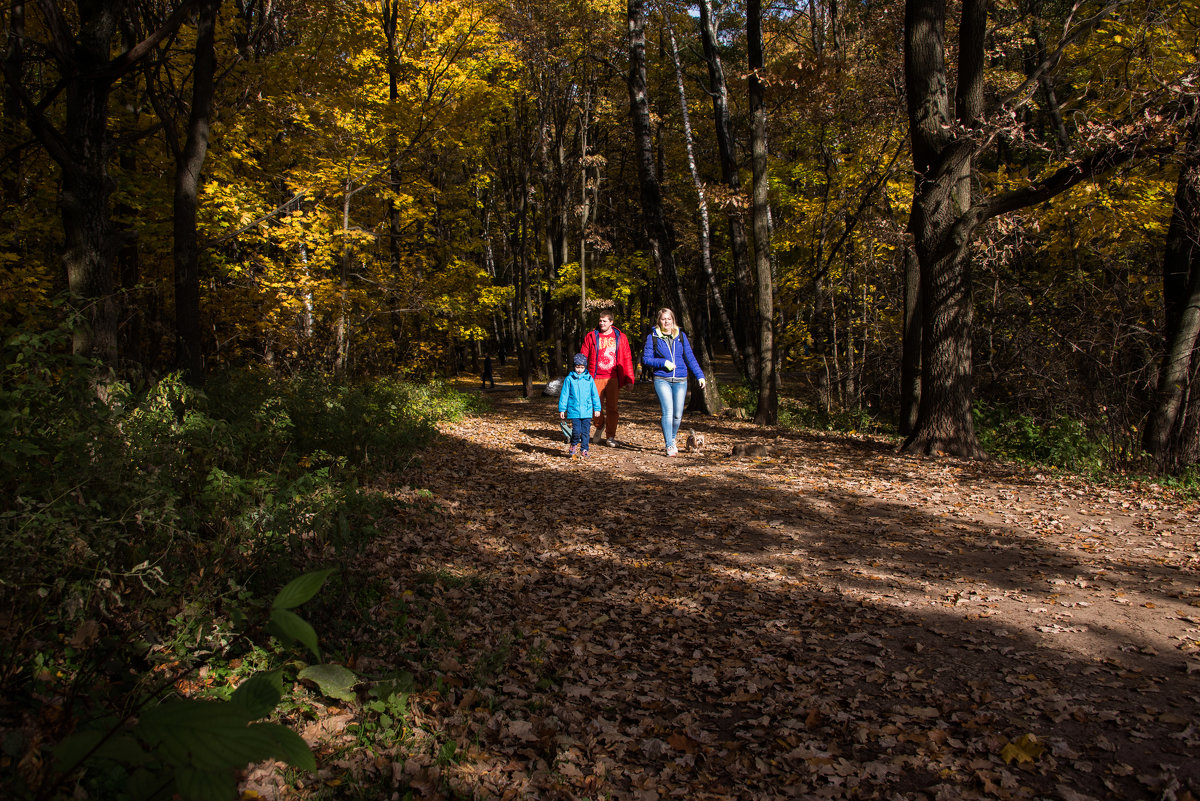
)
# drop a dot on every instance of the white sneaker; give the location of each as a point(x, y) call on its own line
point(672, 450)
point(612, 442)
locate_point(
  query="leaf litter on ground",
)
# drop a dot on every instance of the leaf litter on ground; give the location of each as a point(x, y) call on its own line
point(834, 621)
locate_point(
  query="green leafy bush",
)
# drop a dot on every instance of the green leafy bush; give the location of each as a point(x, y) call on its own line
point(742, 396)
point(161, 746)
point(793, 414)
point(1063, 442)
point(135, 521)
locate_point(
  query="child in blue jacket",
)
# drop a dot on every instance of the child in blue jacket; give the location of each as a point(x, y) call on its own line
point(579, 402)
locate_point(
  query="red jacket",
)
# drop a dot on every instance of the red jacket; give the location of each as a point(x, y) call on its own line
point(624, 367)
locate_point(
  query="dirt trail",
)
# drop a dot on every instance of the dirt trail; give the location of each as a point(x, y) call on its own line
point(834, 621)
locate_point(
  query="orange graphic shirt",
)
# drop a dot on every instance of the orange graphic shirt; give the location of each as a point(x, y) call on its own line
point(606, 355)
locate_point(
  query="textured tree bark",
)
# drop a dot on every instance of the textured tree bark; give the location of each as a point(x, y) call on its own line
point(940, 240)
point(80, 40)
point(390, 14)
point(1171, 435)
point(87, 188)
point(945, 216)
point(658, 228)
point(747, 317)
point(767, 412)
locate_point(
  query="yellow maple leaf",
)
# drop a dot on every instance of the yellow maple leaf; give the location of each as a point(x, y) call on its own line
point(1027, 748)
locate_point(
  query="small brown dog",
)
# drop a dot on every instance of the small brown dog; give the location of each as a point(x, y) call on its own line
point(695, 442)
point(753, 449)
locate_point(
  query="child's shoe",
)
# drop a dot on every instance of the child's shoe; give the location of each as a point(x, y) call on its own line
point(571, 451)
point(583, 454)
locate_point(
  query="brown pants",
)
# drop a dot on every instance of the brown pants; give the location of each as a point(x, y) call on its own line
point(607, 387)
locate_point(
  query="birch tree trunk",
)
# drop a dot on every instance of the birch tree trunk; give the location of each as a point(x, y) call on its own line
point(739, 244)
point(341, 332)
point(702, 205)
point(658, 228)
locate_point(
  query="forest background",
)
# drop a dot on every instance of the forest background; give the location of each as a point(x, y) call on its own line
point(961, 222)
point(370, 189)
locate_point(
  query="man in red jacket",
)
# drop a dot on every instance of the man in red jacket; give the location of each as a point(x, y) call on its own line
point(611, 365)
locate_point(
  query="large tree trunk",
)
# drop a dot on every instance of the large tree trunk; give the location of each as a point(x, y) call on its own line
point(86, 190)
point(189, 163)
point(739, 244)
point(945, 216)
point(942, 197)
point(1171, 435)
point(81, 150)
point(767, 412)
point(658, 228)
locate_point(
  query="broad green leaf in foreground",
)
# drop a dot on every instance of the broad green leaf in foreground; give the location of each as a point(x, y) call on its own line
point(334, 680)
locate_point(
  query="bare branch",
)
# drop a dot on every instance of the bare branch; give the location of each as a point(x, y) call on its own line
point(287, 205)
point(133, 55)
point(1022, 94)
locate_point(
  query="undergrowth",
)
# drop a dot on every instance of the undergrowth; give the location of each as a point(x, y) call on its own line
point(795, 415)
point(1063, 443)
point(139, 523)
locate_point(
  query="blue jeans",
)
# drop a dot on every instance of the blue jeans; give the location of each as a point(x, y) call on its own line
point(581, 432)
point(671, 394)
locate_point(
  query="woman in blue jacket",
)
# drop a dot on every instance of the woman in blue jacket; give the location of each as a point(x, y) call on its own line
point(668, 353)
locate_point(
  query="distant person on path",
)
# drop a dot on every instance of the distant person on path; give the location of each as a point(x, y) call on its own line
point(610, 362)
point(670, 355)
point(579, 402)
point(487, 373)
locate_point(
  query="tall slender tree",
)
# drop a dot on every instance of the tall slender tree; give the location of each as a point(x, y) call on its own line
point(189, 150)
point(658, 228)
point(767, 410)
point(702, 210)
point(747, 314)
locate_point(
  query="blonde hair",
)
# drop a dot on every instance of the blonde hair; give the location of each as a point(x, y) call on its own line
point(674, 324)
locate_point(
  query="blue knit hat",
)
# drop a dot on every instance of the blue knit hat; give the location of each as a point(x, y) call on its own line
point(580, 360)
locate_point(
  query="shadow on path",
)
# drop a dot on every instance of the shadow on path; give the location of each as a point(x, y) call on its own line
point(837, 621)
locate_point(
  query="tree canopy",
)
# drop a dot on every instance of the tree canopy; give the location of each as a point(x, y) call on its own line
point(909, 210)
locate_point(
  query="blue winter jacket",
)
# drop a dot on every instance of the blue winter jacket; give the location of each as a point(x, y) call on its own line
point(660, 348)
point(578, 397)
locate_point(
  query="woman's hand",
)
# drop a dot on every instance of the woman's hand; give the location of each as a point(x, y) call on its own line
point(562, 415)
point(700, 381)
point(669, 365)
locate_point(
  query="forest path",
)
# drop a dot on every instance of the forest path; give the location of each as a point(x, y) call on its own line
point(834, 621)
